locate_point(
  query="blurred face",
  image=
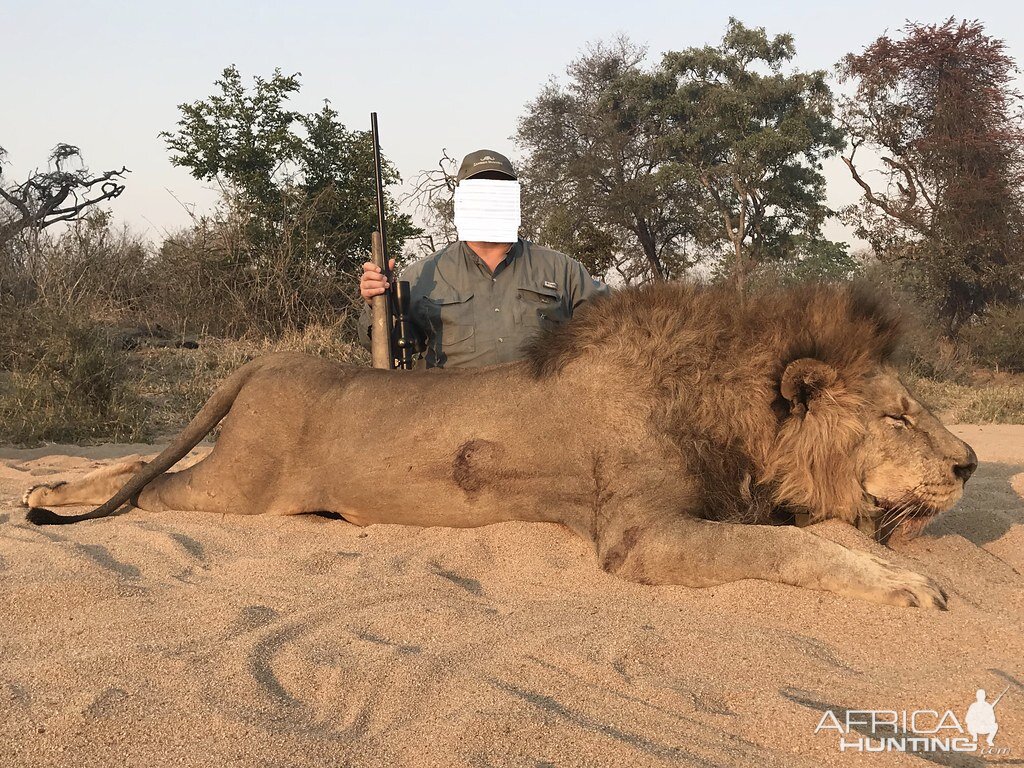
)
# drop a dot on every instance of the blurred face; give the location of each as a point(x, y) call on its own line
point(488, 210)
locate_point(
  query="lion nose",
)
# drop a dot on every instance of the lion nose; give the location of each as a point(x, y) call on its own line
point(966, 469)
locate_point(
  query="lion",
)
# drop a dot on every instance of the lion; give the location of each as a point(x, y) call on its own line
point(674, 427)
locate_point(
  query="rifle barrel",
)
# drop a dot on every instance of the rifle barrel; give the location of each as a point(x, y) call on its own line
point(1000, 696)
point(379, 173)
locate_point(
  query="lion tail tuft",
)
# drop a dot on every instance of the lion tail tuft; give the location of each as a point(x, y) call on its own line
point(41, 516)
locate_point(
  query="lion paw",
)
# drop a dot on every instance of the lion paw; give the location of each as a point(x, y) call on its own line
point(27, 497)
point(889, 584)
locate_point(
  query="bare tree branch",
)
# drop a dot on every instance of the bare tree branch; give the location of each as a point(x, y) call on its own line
point(56, 195)
point(432, 195)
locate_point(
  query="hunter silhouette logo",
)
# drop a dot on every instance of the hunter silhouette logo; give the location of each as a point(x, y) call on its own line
point(981, 717)
point(918, 730)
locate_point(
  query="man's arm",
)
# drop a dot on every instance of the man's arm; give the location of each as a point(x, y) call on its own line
point(581, 286)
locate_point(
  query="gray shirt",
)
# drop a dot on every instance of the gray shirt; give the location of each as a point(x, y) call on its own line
point(467, 316)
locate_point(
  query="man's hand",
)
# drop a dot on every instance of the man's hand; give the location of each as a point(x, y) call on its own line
point(372, 282)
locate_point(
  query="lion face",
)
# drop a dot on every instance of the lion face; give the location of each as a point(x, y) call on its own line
point(912, 468)
point(866, 451)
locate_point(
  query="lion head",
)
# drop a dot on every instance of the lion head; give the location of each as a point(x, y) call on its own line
point(785, 402)
point(911, 467)
point(899, 467)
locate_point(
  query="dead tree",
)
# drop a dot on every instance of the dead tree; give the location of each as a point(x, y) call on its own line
point(433, 196)
point(58, 194)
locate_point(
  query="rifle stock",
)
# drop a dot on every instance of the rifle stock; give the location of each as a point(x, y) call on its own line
point(380, 334)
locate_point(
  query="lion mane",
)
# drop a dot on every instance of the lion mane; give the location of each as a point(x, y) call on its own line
point(714, 363)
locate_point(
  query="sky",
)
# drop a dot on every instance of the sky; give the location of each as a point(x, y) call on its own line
point(107, 76)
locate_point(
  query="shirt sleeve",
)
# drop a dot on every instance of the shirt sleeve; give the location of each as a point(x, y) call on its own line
point(583, 287)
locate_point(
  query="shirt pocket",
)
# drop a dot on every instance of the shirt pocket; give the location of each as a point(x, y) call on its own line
point(539, 306)
point(452, 328)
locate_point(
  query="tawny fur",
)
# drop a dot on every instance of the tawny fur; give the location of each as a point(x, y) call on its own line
point(653, 424)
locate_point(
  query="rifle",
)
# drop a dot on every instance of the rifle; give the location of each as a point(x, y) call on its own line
point(1000, 696)
point(391, 334)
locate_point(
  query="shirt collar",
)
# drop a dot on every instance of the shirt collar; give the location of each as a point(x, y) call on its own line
point(470, 255)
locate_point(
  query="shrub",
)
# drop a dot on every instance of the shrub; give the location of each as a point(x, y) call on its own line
point(926, 352)
point(998, 339)
point(66, 382)
point(213, 279)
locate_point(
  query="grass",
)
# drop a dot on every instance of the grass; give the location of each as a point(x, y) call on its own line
point(989, 399)
point(79, 387)
point(70, 384)
point(93, 393)
point(174, 383)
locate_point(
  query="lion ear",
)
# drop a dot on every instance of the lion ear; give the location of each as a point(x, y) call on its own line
point(804, 380)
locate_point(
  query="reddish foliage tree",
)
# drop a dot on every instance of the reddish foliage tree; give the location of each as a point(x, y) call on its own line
point(938, 107)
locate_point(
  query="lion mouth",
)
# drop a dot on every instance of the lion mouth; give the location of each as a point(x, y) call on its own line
point(905, 519)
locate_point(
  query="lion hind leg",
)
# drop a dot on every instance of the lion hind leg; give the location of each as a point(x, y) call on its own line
point(93, 488)
point(209, 485)
point(186, 490)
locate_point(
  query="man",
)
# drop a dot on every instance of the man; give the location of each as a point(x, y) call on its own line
point(475, 303)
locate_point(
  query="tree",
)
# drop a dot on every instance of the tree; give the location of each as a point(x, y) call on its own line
point(335, 182)
point(937, 106)
point(815, 259)
point(598, 178)
point(60, 193)
point(434, 197)
point(715, 151)
point(281, 168)
point(753, 137)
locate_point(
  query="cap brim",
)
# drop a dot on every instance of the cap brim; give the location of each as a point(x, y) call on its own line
point(498, 169)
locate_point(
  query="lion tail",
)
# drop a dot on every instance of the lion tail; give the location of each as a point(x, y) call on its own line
point(215, 409)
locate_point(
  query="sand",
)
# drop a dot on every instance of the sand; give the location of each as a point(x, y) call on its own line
point(189, 639)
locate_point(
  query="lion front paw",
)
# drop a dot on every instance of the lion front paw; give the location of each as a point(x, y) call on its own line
point(35, 496)
point(883, 582)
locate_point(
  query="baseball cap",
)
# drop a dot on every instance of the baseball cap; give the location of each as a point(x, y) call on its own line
point(483, 161)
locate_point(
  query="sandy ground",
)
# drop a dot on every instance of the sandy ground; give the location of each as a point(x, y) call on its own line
point(188, 639)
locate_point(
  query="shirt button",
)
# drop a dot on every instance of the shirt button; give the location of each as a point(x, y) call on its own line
point(497, 310)
point(500, 340)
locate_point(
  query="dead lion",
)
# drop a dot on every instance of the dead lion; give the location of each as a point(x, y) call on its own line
point(668, 424)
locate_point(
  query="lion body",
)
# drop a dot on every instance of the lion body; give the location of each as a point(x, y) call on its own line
point(653, 424)
point(459, 448)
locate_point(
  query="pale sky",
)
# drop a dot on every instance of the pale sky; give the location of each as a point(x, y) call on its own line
point(108, 75)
